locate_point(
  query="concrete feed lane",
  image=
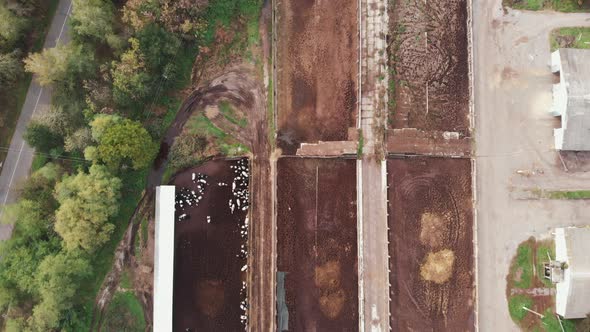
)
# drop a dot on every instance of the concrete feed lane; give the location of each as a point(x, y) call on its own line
point(514, 132)
point(19, 158)
point(371, 171)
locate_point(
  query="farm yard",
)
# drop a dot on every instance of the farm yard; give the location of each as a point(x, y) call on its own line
point(211, 246)
point(317, 71)
point(431, 244)
point(317, 243)
point(428, 60)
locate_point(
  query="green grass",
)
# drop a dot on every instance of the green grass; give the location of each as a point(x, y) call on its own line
point(202, 125)
point(557, 5)
point(581, 34)
point(124, 314)
point(271, 112)
point(516, 304)
point(551, 324)
point(230, 114)
point(39, 160)
point(524, 264)
point(578, 194)
point(125, 281)
point(361, 143)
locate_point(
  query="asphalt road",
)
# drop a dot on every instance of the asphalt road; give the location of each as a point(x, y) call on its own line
point(512, 83)
point(18, 161)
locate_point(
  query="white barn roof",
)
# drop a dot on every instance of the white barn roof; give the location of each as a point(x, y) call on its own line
point(572, 247)
point(164, 258)
point(571, 98)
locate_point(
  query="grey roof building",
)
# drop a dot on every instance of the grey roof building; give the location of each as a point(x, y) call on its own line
point(570, 271)
point(571, 98)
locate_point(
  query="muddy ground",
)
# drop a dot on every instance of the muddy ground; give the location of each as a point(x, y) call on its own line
point(317, 71)
point(429, 61)
point(208, 276)
point(317, 243)
point(431, 249)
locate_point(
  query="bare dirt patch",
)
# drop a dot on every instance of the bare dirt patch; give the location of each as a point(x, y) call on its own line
point(208, 276)
point(432, 229)
point(429, 60)
point(317, 247)
point(438, 266)
point(317, 71)
point(431, 248)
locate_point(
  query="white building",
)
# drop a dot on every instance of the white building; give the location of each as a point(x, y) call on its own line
point(571, 98)
point(164, 259)
point(571, 272)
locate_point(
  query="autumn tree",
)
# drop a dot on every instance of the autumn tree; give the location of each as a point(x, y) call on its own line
point(130, 78)
point(139, 13)
point(50, 65)
point(64, 64)
point(87, 202)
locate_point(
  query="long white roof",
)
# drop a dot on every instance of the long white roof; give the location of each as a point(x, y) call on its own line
point(572, 246)
point(164, 259)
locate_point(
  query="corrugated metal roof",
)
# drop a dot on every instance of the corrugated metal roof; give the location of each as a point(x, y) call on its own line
point(572, 245)
point(575, 74)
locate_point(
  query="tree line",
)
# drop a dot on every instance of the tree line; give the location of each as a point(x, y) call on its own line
point(99, 136)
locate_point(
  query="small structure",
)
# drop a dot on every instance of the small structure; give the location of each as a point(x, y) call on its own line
point(570, 271)
point(164, 258)
point(571, 98)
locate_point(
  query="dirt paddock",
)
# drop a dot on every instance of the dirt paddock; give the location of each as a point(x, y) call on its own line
point(317, 71)
point(208, 280)
point(430, 221)
point(429, 58)
point(317, 243)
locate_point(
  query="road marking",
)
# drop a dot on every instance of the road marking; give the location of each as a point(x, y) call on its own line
point(20, 152)
point(64, 24)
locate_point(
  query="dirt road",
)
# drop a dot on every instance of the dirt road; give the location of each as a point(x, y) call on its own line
point(18, 160)
point(514, 132)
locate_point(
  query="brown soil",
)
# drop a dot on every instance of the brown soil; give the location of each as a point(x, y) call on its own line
point(428, 48)
point(439, 189)
point(317, 246)
point(317, 55)
point(208, 259)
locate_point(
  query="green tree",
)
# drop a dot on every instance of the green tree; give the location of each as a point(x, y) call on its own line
point(124, 141)
point(57, 278)
point(11, 27)
point(87, 201)
point(11, 69)
point(92, 18)
point(41, 137)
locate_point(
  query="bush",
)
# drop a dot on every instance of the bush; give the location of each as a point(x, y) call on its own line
point(187, 150)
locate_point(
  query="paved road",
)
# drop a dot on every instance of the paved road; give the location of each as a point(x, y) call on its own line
point(18, 160)
point(371, 172)
point(514, 132)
